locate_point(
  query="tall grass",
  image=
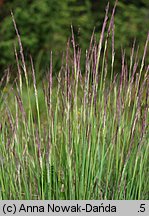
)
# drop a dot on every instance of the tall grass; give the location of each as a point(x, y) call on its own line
point(82, 135)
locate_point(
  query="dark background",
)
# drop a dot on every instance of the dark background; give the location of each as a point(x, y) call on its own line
point(44, 25)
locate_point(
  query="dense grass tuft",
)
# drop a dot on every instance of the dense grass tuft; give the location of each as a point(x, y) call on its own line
point(81, 134)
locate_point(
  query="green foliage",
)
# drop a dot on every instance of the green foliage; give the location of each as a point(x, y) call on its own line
point(130, 26)
point(44, 25)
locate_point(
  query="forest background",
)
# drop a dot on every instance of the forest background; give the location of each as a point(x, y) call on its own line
point(44, 25)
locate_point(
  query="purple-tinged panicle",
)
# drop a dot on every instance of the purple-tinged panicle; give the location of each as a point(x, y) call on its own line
point(20, 45)
point(20, 104)
point(67, 73)
point(49, 96)
point(10, 120)
point(126, 75)
point(103, 27)
point(78, 63)
point(145, 51)
point(90, 47)
point(120, 87)
point(4, 77)
point(112, 18)
point(113, 52)
point(135, 66)
point(33, 75)
point(86, 79)
point(74, 47)
point(102, 36)
point(18, 67)
point(134, 71)
point(132, 54)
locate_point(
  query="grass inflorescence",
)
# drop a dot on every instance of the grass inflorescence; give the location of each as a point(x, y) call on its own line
point(81, 134)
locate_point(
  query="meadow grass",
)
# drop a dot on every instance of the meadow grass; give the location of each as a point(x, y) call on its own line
point(77, 135)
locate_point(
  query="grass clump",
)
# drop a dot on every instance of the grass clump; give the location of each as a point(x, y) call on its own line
point(78, 135)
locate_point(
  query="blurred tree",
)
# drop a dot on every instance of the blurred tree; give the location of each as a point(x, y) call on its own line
point(44, 25)
point(131, 22)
